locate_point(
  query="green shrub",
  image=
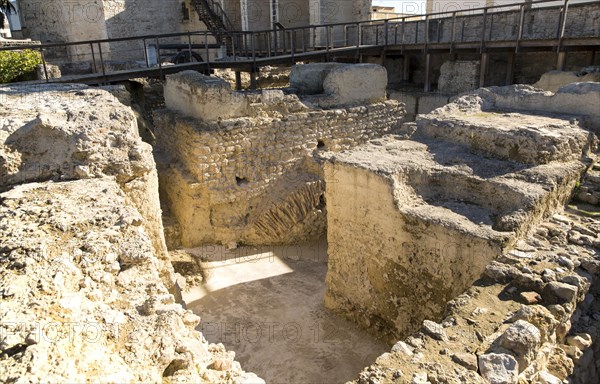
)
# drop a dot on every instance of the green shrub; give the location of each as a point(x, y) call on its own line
point(14, 65)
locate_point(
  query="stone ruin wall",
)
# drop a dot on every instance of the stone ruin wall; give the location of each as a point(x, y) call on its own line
point(255, 179)
point(395, 263)
point(531, 318)
point(539, 24)
point(516, 322)
point(88, 291)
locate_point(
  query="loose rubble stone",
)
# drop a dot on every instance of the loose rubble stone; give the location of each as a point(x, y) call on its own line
point(522, 339)
point(498, 368)
point(467, 360)
point(434, 330)
point(556, 292)
point(530, 297)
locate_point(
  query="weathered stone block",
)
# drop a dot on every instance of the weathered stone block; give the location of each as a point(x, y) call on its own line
point(499, 368)
point(522, 339)
point(308, 79)
point(356, 84)
point(554, 80)
point(203, 97)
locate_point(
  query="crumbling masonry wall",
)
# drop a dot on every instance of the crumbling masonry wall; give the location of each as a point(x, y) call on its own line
point(474, 178)
point(255, 179)
point(88, 292)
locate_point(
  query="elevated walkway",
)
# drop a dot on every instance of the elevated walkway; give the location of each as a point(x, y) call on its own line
point(510, 28)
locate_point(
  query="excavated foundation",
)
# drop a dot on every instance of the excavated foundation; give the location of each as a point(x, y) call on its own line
point(470, 183)
point(412, 220)
point(449, 235)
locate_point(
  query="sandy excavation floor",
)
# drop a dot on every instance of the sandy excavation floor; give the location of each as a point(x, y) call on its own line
point(266, 304)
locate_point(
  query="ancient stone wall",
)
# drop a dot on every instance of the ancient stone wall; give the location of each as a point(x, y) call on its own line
point(395, 260)
point(459, 76)
point(254, 179)
point(57, 21)
point(532, 318)
point(552, 81)
point(87, 288)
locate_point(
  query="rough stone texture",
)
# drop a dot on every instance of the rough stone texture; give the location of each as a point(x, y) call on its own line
point(356, 84)
point(85, 284)
point(82, 294)
point(542, 23)
point(426, 224)
point(522, 340)
point(418, 102)
point(333, 84)
point(487, 121)
point(56, 21)
point(459, 76)
point(499, 368)
point(48, 132)
point(474, 320)
point(258, 179)
point(308, 79)
point(267, 77)
point(554, 80)
point(203, 97)
point(580, 100)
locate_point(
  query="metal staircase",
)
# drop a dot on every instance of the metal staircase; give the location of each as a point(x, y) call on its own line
point(211, 13)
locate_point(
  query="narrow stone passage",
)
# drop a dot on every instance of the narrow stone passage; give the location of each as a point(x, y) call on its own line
point(266, 304)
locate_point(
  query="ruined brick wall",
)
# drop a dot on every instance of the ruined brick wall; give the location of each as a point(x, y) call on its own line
point(257, 180)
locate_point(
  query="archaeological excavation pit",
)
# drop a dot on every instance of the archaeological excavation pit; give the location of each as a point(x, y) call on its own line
point(311, 234)
point(313, 195)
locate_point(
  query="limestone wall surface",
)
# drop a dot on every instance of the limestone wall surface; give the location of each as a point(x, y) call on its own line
point(532, 318)
point(256, 179)
point(554, 80)
point(87, 288)
point(459, 76)
point(456, 196)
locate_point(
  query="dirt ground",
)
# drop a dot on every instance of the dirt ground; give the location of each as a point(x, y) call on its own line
point(266, 304)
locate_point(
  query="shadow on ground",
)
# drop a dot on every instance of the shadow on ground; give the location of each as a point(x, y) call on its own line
point(267, 306)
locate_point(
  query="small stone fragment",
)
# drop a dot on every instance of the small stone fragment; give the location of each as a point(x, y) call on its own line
point(582, 341)
point(547, 378)
point(434, 330)
point(498, 368)
point(402, 347)
point(530, 297)
point(467, 360)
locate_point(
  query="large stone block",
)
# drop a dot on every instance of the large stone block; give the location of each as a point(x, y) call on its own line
point(308, 79)
point(333, 84)
point(203, 97)
point(356, 84)
point(426, 224)
point(68, 131)
point(554, 80)
point(506, 122)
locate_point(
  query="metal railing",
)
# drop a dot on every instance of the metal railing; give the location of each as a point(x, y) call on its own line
point(479, 26)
